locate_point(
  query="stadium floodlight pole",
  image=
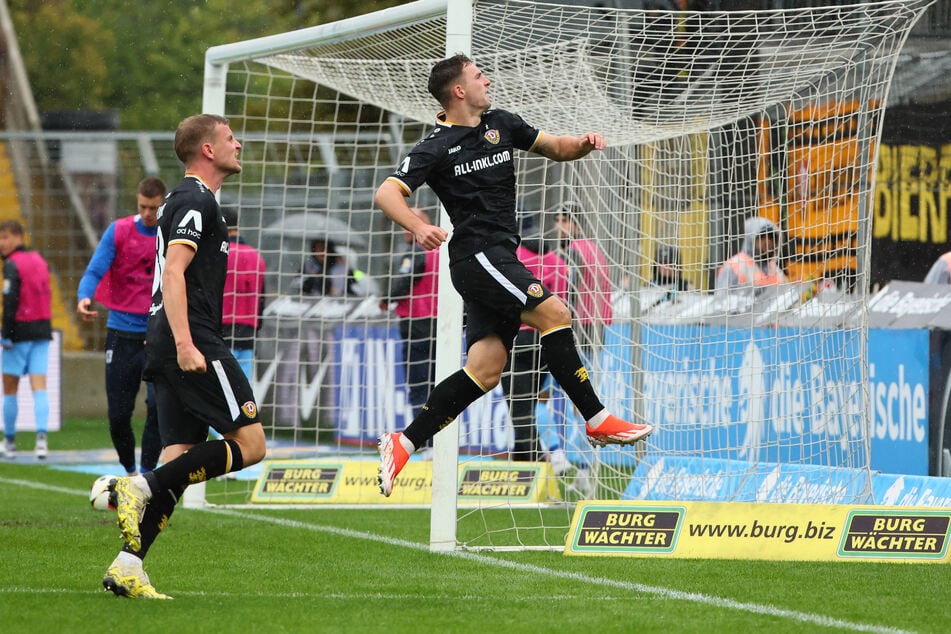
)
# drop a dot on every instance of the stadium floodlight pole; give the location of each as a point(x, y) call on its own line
point(14, 60)
point(442, 520)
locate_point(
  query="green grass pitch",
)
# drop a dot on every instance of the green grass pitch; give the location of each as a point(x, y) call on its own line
point(359, 570)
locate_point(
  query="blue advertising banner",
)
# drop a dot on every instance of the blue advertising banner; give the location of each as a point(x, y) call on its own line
point(909, 490)
point(372, 397)
point(898, 391)
point(692, 478)
point(769, 395)
point(761, 395)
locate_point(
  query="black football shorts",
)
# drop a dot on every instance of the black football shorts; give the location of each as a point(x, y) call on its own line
point(189, 402)
point(496, 288)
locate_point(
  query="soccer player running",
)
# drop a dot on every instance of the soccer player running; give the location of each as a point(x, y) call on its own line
point(198, 382)
point(119, 275)
point(468, 162)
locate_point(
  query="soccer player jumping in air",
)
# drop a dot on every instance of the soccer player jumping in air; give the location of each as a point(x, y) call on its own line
point(468, 161)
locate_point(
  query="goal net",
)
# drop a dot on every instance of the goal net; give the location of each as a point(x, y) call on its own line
point(729, 219)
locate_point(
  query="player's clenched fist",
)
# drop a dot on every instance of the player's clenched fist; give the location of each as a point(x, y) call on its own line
point(430, 236)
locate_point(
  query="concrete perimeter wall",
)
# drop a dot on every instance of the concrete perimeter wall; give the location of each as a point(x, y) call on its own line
point(84, 387)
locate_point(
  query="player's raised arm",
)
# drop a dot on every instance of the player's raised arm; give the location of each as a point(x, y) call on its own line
point(391, 199)
point(569, 148)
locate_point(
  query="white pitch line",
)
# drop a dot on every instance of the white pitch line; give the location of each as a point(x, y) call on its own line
point(664, 593)
point(44, 487)
point(658, 591)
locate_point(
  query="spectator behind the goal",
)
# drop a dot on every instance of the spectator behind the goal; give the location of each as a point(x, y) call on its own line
point(756, 266)
point(666, 273)
point(589, 280)
point(26, 333)
point(326, 272)
point(119, 276)
point(940, 271)
point(413, 285)
point(667, 278)
point(469, 162)
point(243, 303)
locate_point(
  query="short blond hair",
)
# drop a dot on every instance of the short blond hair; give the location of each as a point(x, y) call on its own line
point(192, 132)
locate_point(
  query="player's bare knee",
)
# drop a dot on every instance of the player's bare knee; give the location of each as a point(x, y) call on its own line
point(489, 382)
point(252, 442)
point(557, 312)
point(486, 377)
point(551, 313)
point(251, 452)
point(258, 448)
point(11, 383)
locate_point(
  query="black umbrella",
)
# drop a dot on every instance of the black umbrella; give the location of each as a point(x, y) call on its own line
point(313, 226)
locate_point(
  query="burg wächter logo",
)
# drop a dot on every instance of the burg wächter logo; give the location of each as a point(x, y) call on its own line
point(896, 534)
point(628, 529)
point(498, 482)
point(303, 483)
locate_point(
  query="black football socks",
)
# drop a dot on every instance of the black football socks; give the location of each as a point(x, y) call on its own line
point(155, 519)
point(447, 400)
point(202, 462)
point(561, 354)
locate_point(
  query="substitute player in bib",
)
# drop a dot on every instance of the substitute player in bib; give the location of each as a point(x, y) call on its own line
point(468, 161)
point(198, 382)
point(26, 333)
point(119, 275)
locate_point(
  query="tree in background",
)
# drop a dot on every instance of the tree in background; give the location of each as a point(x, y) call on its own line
point(145, 58)
point(66, 55)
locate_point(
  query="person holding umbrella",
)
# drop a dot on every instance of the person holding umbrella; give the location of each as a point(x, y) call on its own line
point(325, 271)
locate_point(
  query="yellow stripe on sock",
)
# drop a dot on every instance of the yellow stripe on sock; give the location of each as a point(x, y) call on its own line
point(228, 459)
point(556, 329)
point(475, 380)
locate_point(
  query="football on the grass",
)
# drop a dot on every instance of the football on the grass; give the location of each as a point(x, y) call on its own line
point(103, 495)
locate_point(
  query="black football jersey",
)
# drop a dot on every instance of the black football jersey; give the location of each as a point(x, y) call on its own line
point(190, 215)
point(472, 171)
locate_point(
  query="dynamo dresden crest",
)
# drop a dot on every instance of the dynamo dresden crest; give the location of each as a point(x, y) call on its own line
point(535, 290)
point(493, 136)
point(249, 409)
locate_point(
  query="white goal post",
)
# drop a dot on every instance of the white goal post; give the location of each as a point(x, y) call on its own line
point(758, 389)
